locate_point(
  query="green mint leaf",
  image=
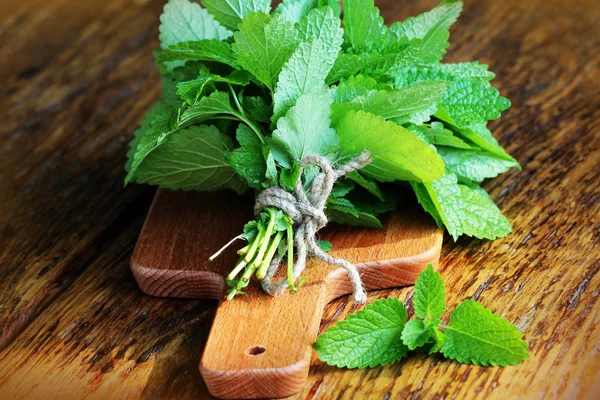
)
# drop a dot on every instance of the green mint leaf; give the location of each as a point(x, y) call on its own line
point(249, 164)
point(429, 298)
point(417, 333)
point(342, 188)
point(368, 338)
point(306, 127)
point(438, 340)
point(201, 50)
point(342, 211)
point(263, 44)
point(190, 91)
point(342, 205)
point(363, 23)
point(436, 134)
point(279, 153)
point(206, 108)
point(294, 10)
point(310, 173)
point(231, 12)
point(464, 209)
point(191, 159)
point(413, 104)
point(474, 165)
point(159, 109)
point(184, 21)
point(481, 137)
point(289, 177)
point(333, 4)
point(248, 161)
point(470, 102)
point(322, 24)
point(389, 60)
point(246, 137)
point(169, 91)
point(352, 87)
point(325, 245)
point(155, 127)
point(425, 200)
point(443, 72)
point(432, 27)
point(374, 206)
point(304, 71)
point(311, 62)
point(478, 336)
point(271, 172)
point(366, 184)
point(258, 109)
point(396, 153)
point(347, 65)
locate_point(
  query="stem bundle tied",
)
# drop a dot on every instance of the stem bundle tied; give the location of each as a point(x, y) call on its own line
point(296, 217)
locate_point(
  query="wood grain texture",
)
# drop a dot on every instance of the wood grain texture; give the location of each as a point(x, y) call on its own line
point(181, 232)
point(259, 346)
point(77, 77)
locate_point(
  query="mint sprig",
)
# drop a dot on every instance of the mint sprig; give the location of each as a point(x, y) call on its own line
point(475, 335)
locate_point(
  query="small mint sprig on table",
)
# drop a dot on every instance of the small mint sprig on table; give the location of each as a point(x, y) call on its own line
point(380, 335)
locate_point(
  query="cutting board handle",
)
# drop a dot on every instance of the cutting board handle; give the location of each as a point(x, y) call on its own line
point(263, 344)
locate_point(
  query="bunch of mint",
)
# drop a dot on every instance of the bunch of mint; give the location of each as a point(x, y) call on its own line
point(249, 93)
point(380, 335)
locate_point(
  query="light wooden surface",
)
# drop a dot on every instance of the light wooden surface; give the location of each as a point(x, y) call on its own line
point(259, 346)
point(77, 78)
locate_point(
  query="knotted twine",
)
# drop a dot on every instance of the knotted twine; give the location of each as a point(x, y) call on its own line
point(308, 215)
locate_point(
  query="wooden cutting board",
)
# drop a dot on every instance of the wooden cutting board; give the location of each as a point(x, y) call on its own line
point(260, 346)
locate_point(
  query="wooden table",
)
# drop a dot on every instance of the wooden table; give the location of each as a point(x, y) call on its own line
point(76, 79)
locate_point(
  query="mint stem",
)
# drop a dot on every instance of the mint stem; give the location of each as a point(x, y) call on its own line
point(252, 126)
point(224, 247)
point(266, 239)
point(264, 265)
point(237, 101)
point(242, 116)
point(252, 251)
point(290, 258)
point(247, 275)
point(243, 250)
point(240, 266)
point(231, 294)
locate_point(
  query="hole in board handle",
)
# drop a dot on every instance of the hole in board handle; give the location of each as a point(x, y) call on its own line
point(255, 350)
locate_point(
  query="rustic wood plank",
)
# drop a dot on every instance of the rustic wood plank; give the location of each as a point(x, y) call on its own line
point(104, 338)
point(544, 277)
point(68, 90)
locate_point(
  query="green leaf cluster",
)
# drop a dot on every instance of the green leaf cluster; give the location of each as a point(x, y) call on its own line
point(248, 92)
point(380, 334)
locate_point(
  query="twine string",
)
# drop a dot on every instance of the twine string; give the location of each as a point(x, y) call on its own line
point(308, 214)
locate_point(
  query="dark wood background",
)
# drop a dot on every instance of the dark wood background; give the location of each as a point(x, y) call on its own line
point(76, 77)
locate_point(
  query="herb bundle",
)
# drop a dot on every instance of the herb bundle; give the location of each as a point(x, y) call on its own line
point(250, 95)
